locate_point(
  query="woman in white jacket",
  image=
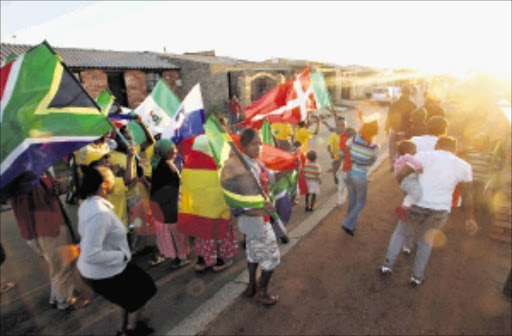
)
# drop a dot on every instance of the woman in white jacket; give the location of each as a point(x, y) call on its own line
point(104, 260)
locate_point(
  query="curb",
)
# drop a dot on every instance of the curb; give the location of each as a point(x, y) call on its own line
point(200, 318)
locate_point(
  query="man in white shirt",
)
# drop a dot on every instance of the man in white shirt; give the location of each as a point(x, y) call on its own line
point(442, 171)
point(436, 127)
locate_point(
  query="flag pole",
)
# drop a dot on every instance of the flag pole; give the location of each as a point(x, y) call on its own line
point(258, 185)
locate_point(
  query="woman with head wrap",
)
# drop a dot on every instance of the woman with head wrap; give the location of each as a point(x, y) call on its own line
point(165, 187)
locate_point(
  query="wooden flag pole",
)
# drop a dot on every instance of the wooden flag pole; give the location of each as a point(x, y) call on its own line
point(258, 185)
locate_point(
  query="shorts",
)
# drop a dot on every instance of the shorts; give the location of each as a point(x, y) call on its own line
point(313, 187)
point(263, 250)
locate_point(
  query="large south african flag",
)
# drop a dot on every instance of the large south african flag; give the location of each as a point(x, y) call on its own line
point(45, 114)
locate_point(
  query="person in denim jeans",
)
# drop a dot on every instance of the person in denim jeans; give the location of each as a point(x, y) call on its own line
point(442, 171)
point(363, 154)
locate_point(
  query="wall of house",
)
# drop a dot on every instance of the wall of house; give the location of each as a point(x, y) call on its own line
point(136, 87)
point(94, 81)
point(170, 77)
point(214, 84)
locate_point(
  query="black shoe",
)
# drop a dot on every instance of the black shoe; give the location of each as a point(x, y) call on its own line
point(142, 328)
point(350, 232)
point(285, 239)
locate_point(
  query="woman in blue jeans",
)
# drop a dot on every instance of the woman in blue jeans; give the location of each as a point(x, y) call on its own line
point(363, 154)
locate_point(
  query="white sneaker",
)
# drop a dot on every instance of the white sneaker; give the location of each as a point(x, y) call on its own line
point(415, 282)
point(384, 270)
point(406, 251)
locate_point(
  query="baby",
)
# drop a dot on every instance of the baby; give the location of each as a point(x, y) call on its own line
point(410, 185)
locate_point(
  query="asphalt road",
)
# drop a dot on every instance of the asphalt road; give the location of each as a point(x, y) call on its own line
point(25, 309)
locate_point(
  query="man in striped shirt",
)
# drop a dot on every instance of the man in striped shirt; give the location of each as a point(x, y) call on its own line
point(363, 154)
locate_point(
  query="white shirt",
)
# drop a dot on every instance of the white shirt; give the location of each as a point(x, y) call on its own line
point(104, 250)
point(425, 143)
point(442, 171)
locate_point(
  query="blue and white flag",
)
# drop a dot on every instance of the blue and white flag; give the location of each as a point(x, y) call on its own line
point(189, 119)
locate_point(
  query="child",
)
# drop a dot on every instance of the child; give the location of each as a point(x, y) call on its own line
point(346, 163)
point(410, 185)
point(333, 146)
point(302, 134)
point(302, 188)
point(312, 175)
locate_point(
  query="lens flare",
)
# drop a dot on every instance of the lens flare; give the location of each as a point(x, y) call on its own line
point(436, 238)
point(196, 287)
point(491, 304)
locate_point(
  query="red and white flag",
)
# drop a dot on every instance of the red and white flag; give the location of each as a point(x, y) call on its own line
point(290, 102)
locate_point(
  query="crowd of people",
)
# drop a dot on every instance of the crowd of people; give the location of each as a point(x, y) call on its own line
point(124, 187)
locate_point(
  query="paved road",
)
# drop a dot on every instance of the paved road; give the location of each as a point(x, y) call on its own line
point(25, 309)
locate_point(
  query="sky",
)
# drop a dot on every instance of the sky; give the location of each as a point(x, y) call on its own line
point(433, 36)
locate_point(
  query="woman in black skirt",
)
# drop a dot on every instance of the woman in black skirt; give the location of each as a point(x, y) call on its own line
point(104, 260)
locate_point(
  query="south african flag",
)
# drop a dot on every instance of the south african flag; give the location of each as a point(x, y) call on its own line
point(45, 114)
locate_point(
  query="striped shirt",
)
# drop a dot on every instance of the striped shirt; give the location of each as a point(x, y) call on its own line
point(481, 163)
point(362, 153)
point(312, 171)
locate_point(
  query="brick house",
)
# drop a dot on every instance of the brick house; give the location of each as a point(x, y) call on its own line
point(221, 77)
point(129, 75)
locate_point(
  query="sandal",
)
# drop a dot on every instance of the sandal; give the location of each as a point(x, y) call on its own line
point(159, 259)
point(250, 291)
point(223, 266)
point(179, 263)
point(265, 298)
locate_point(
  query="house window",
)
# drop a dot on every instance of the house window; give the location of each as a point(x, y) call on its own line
point(151, 80)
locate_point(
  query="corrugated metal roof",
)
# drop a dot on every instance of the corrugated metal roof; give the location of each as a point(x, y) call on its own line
point(92, 58)
point(223, 60)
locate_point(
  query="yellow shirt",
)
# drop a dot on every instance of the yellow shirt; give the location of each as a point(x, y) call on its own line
point(282, 131)
point(302, 135)
point(118, 200)
point(117, 163)
point(145, 160)
point(333, 144)
point(90, 153)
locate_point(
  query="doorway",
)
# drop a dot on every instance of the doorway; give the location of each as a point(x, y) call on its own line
point(117, 86)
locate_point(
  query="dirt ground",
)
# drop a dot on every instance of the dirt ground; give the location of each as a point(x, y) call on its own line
point(330, 284)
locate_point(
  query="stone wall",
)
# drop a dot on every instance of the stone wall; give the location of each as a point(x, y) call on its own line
point(214, 84)
point(94, 81)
